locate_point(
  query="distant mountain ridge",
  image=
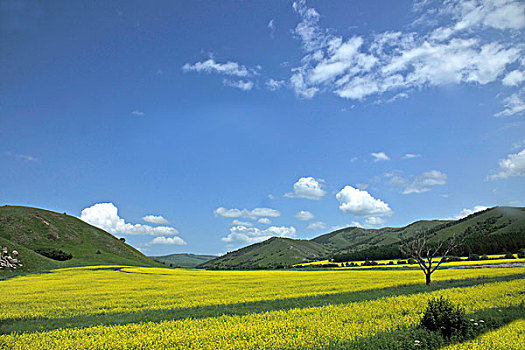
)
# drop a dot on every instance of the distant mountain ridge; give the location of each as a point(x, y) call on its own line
point(28, 230)
point(490, 231)
point(186, 260)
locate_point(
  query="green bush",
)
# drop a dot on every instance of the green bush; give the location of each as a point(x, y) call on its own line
point(484, 257)
point(521, 254)
point(412, 261)
point(509, 256)
point(446, 318)
point(401, 262)
point(55, 254)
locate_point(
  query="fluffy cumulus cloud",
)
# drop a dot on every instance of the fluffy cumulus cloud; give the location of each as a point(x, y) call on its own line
point(264, 221)
point(449, 47)
point(155, 219)
point(167, 241)
point(307, 187)
point(105, 216)
point(304, 215)
point(360, 203)
point(380, 156)
point(243, 234)
point(513, 165)
point(245, 213)
point(317, 225)
point(466, 212)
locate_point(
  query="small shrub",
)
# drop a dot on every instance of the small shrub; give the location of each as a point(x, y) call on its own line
point(411, 261)
point(98, 251)
point(509, 256)
point(122, 239)
point(473, 257)
point(521, 254)
point(446, 318)
point(484, 257)
point(55, 254)
point(401, 262)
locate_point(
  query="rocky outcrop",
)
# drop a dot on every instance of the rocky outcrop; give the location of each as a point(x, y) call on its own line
point(9, 261)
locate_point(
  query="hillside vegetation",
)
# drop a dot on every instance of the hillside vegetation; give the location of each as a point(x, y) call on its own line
point(491, 231)
point(28, 229)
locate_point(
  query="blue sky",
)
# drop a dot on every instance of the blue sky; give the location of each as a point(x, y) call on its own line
point(205, 126)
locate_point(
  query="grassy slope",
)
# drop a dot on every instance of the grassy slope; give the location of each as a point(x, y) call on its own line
point(494, 221)
point(183, 260)
point(272, 253)
point(26, 229)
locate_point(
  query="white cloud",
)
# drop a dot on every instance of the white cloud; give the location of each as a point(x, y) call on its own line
point(423, 182)
point(411, 156)
point(466, 212)
point(374, 221)
point(514, 78)
point(271, 27)
point(514, 104)
point(353, 159)
point(361, 186)
point(273, 84)
point(264, 221)
point(210, 66)
point(245, 213)
point(138, 113)
point(307, 187)
point(245, 85)
point(271, 196)
point(380, 156)
point(304, 215)
point(167, 241)
point(361, 203)
point(105, 216)
point(317, 225)
point(241, 223)
point(155, 219)
point(513, 165)
point(455, 51)
point(243, 234)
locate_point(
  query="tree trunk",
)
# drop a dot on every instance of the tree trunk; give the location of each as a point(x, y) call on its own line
point(427, 275)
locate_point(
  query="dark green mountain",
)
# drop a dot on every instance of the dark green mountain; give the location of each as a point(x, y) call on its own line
point(494, 230)
point(183, 260)
point(28, 230)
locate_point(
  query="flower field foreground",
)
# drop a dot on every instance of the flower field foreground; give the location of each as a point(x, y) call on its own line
point(90, 293)
point(510, 337)
point(81, 291)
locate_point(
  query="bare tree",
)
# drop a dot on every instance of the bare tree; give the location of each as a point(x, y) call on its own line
point(423, 252)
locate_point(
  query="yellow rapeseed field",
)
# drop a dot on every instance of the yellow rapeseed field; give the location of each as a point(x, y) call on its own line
point(509, 337)
point(80, 291)
point(90, 291)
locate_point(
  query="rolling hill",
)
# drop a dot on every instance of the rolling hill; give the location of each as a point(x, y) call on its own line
point(273, 253)
point(183, 260)
point(494, 230)
point(28, 229)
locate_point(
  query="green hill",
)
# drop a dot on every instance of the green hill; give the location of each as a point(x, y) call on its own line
point(272, 253)
point(28, 229)
point(494, 230)
point(183, 260)
point(355, 238)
